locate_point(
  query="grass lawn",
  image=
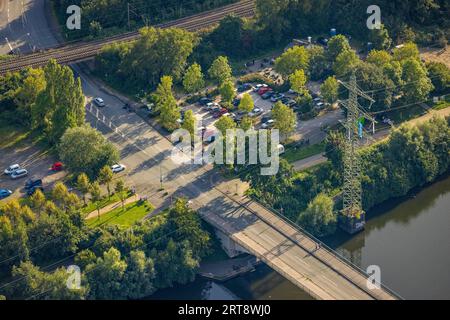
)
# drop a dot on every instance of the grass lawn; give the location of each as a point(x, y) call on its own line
point(126, 217)
point(11, 134)
point(442, 104)
point(103, 203)
point(292, 154)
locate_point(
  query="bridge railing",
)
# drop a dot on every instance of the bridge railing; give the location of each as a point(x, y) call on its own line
point(331, 251)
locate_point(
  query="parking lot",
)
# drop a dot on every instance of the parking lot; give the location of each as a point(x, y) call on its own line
point(35, 161)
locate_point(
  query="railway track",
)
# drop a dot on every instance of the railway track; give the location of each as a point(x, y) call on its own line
point(81, 51)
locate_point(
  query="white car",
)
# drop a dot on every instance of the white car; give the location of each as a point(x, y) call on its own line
point(11, 169)
point(255, 112)
point(268, 124)
point(19, 173)
point(118, 168)
point(99, 102)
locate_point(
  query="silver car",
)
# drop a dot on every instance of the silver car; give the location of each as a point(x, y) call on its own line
point(19, 174)
point(11, 169)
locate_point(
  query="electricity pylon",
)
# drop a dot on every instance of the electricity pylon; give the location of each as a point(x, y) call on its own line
point(353, 217)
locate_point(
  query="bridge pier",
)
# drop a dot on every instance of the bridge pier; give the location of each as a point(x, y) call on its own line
point(231, 248)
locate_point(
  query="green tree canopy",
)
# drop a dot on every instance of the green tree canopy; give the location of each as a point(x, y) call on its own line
point(193, 79)
point(220, 70)
point(293, 59)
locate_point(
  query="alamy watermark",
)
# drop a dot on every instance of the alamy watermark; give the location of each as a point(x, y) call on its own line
point(374, 280)
point(374, 20)
point(236, 147)
point(73, 22)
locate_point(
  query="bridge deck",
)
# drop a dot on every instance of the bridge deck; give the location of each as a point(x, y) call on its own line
point(285, 249)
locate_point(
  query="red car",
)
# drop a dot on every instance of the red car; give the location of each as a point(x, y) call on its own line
point(219, 113)
point(57, 166)
point(264, 90)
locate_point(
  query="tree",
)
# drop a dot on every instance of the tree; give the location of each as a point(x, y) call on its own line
point(225, 123)
point(337, 45)
point(246, 104)
point(440, 76)
point(27, 93)
point(293, 59)
point(380, 38)
point(156, 53)
point(318, 65)
point(246, 123)
point(334, 149)
point(84, 149)
point(298, 81)
point(329, 90)
point(61, 105)
point(319, 218)
point(270, 14)
point(37, 201)
point(379, 58)
point(96, 196)
point(60, 193)
point(227, 92)
point(105, 177)
point(121, 191)
point(83, 185)
point(36, 284)
point(285, 118)
point(345, 62)
point(193, 79)
point(189, 122)
point(166, 104)
point(139, 276)
point(417, 84)
point(220, 70)
point(407, 51)
point(106, 275)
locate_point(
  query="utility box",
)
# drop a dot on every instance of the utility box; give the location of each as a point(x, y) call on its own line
point(352, 224)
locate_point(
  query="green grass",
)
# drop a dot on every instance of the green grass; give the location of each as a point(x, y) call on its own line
point(293, 155)
point(91, 206)
point(126, 217)
point(11, 134)
point(442, 104)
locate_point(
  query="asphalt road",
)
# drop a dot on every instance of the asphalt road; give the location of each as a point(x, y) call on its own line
point(23, 26)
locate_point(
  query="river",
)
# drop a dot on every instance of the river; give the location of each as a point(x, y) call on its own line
point(409, 239)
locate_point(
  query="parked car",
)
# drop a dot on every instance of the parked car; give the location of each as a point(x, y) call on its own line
point(267, 95)
point(32, 190)
point(5, 193)
point(259, 86)
point(99, 102)
point(220, 113)
point(57, 166)
point(211, 105)
point(204, 101)
point(276, 96)
point(255, 112)
point(320, 105)
point(19, 173)
point(116, 168)
point(266, 118)
point(33, 182)
point(263, 90)
point(244, 87)
point(236, 102)
point(11, 169)
point(323, 41)
point(284, 100)
point(268, 124)
point(291, 103)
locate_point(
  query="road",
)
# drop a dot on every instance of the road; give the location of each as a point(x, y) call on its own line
point(23, 26)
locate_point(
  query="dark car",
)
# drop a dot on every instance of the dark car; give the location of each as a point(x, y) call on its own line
point(323, 41)
point(32, 190)
point(267, 95)
point(33, 182)
point(204, 101)
point(244, 87)
point(236, 102)
point(266, 118)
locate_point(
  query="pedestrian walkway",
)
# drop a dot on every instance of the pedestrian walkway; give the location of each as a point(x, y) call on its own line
point(112, 206)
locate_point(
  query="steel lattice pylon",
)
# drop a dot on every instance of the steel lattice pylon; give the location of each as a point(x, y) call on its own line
point(351, 191)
